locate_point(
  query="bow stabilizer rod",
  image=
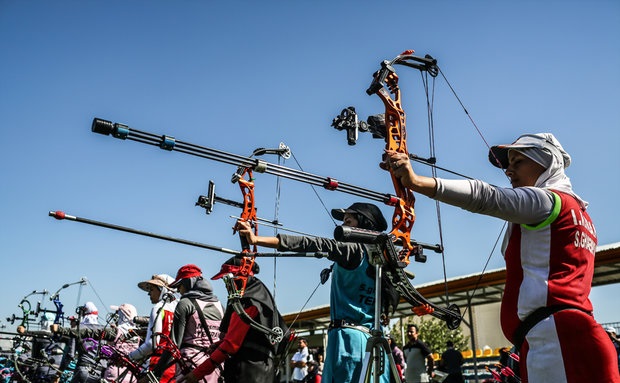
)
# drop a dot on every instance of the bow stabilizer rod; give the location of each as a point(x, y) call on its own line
point(59, 215)
point(168, 143)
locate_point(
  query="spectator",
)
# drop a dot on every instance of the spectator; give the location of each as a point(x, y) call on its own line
point(398, 356)
point(300, 360)
point(418, 358)
point(614, 339)
point(451, 362)
point(319, 359)
point(313, 375)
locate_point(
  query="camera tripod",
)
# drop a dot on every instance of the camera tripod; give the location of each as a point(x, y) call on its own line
point(373, 365)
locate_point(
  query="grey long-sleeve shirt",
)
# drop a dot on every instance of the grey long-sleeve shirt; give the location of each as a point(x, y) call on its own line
point(522, 205)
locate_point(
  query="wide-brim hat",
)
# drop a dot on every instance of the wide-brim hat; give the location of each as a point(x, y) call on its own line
point(368, 210)
point(159, 280)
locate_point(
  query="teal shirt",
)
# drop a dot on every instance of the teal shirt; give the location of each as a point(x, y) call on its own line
point(352, 298)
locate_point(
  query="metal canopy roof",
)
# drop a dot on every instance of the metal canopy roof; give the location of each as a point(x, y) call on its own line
point(488, 289)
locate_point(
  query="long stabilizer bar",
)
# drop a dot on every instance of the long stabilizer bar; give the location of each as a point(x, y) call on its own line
point(124, 132)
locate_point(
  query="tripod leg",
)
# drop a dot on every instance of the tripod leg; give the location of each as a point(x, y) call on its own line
point(373, 365)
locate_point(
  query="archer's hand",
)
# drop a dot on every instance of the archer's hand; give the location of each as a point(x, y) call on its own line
point(21, 329)
point(245, 230)
point(54, 328)
point(400, 166)
point(401, 169)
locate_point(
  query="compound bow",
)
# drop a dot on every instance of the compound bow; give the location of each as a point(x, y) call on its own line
point(393, 130)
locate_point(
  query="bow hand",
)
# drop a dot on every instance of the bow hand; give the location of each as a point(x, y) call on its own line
point(400, 166)
point(246, 232)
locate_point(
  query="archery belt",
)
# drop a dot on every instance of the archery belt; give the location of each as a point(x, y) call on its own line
point(341, 323)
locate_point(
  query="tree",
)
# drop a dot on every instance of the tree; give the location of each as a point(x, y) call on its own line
point(435, 334)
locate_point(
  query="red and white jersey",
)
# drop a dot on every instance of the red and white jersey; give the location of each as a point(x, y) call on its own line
point(549, 264)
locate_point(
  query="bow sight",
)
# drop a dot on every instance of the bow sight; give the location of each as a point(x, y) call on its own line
point(347, 120)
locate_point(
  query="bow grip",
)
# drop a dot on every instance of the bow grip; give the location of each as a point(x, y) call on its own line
point(245, 245)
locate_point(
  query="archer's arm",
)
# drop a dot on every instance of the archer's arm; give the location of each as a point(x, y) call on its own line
point(150, 341)
point(348, 255)
point(83, 332)
point(521, 205)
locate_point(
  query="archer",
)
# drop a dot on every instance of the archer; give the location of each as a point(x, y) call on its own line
point(545, 312)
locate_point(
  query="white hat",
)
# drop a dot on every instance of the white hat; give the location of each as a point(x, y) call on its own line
point(128, 310)
point(540, 147)
point(610, 330)
point(90, 308)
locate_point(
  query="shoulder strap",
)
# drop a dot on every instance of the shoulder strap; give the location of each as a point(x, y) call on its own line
point(201, 316)
point(536, 317)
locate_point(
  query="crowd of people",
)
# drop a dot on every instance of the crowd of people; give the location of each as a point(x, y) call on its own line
point(549, 251)
point(190, 335)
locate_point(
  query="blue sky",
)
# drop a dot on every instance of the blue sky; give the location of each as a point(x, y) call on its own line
point(239, 75)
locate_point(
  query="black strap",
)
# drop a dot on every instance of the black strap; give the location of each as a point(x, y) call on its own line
point(341, 323)
point(536, 317)
point(201, 316)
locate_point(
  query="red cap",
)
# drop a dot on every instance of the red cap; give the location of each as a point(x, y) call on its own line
point(234, 266)
point(227, 269)
point(185, 272)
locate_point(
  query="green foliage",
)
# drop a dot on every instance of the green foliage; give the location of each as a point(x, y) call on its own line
point(435, 334)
